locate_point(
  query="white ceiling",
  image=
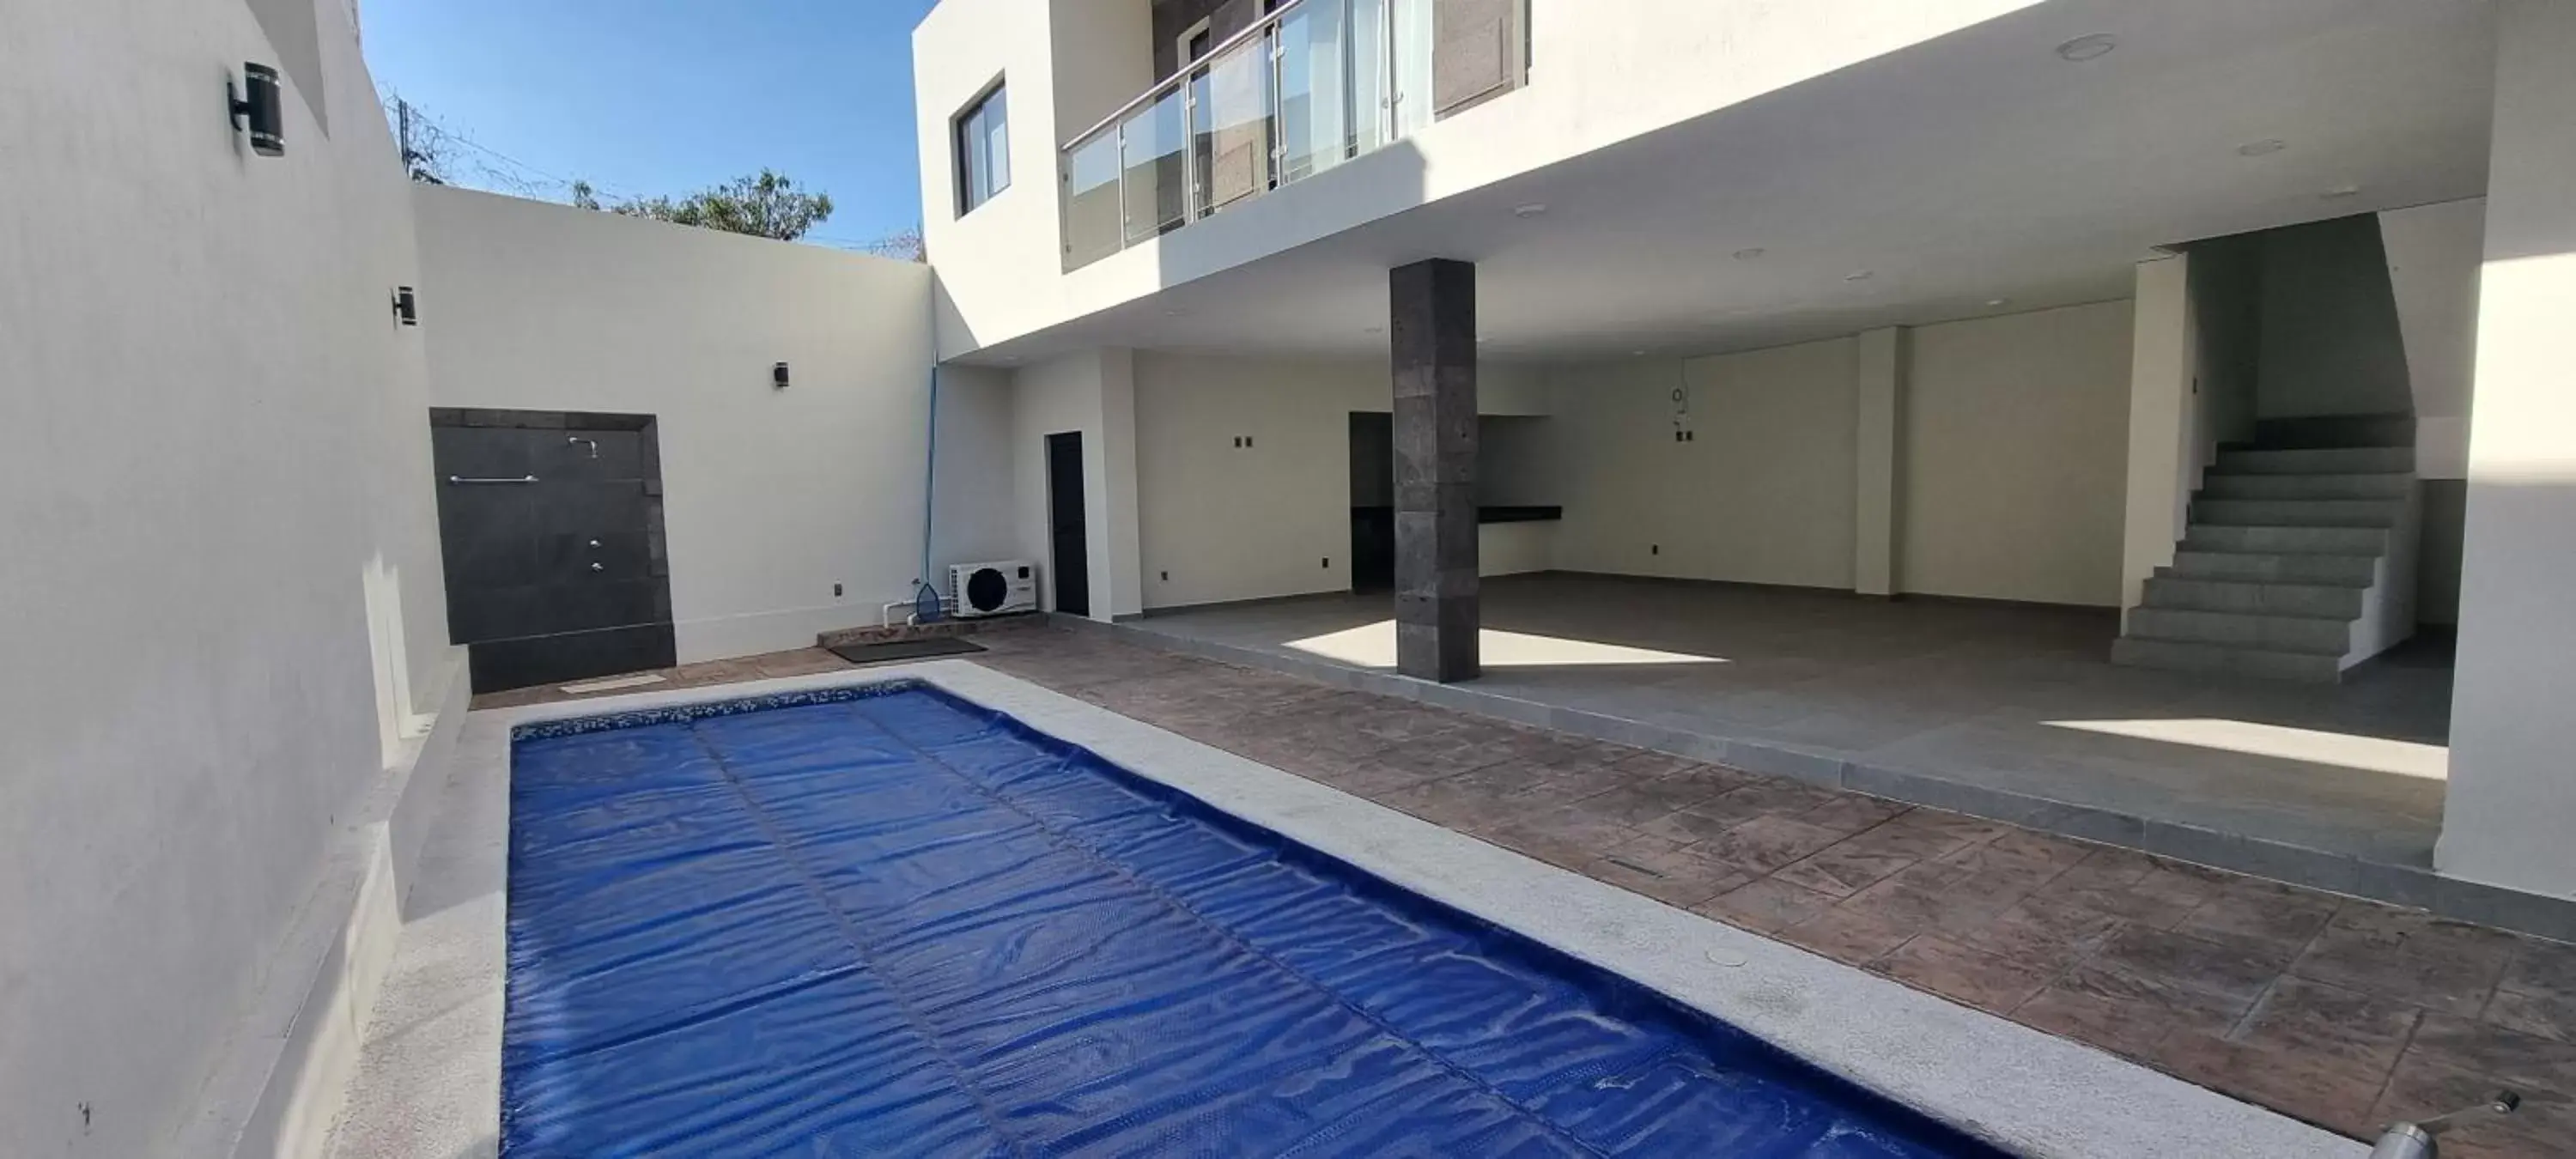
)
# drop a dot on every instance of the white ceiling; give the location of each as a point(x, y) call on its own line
point(1971, 168)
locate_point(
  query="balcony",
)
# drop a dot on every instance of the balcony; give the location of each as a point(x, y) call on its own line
point(1310, 86)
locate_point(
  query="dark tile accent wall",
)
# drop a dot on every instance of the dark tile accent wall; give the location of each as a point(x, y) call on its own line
point(1475, 52)
point(563, 578)
point(1431, 334)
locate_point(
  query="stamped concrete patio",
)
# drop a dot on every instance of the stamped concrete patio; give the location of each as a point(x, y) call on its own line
point(2343, 1012)
point(2011, 712)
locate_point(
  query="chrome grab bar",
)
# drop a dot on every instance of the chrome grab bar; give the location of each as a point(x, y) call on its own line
point(454, 479)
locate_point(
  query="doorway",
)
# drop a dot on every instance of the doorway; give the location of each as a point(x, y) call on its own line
point(1067, 534)
point(1372, 501)
point(550, 540)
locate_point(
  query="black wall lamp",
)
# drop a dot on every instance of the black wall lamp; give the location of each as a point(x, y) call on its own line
point(778, 376)
point(406, 308)
point(255, 110)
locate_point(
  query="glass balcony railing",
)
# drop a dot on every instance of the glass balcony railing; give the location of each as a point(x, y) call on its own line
point(1313, 84)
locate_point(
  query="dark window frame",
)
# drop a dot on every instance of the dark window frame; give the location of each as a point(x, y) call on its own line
point(968, 135)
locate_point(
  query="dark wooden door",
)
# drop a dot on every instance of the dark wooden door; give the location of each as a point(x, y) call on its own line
point(1065, 526)
point(548, 544)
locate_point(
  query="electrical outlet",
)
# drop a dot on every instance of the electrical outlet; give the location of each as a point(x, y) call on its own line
point(1328, 563)
point(836, 591)
point(1654, 549)
point(1167, 577)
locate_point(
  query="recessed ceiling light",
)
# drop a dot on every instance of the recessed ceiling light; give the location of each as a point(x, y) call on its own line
point(1999, 301)
point(1533, 209)
point(2091, 47)
point(2259, 148)
point(1750, 252)
point(1638, 353)
point(1375, 330)
point(1860, 275)
point(2340, 191)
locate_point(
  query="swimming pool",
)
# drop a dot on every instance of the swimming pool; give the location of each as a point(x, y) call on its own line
point(887, 921)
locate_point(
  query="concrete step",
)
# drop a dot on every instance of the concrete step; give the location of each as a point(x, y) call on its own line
point(2386, 485)
point(2188, 657)
point(2367, 541)
point(2270, 633)
point(2325, 601)
point(2316, 461)
point(2381, 430)
point(2350, 571)
point(2298, 512)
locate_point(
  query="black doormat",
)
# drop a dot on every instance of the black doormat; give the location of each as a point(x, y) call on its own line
point(920, 648)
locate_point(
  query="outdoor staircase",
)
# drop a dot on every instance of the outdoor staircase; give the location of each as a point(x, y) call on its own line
point(2299, 558)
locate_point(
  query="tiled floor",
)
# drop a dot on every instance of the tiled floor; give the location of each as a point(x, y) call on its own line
point(2343, 1012)
point(2005, 699)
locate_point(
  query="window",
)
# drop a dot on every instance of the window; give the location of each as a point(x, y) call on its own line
point(983, 151)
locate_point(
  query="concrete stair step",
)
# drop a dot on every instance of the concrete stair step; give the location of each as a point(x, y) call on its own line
point(2348, 571)
point(2270, 633)
point(2298, 512)
point(2384, 486)
point(2254, 597)
point(2328, 431)
point(2315, 461)
point(2183, 656)
point(2365, 541)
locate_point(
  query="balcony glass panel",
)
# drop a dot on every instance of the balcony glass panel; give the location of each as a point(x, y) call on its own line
point(1314, 75)
point(1370, 86)
point(1230, 119)
point(1155, 163)
point(1312, 85)
point(1092, 217)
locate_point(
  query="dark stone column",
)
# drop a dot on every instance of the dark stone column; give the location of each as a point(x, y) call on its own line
point(1432, 333)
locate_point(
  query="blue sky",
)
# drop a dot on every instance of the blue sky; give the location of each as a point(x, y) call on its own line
point(669, 96)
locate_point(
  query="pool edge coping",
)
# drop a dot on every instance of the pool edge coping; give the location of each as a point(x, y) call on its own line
point(431, 1087)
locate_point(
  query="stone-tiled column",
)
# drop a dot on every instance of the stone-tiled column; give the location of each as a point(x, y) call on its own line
point(1432, 333)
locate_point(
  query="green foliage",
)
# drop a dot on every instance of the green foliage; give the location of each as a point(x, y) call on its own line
point(768, 205)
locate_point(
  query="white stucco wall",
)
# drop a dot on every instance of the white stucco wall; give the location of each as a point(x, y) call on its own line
point(1092, 393)
point(2160, 464)
point(1762, 494)
point(2331, 343)
point(2512, 800)
point(1272, 519)
point(770, 496)
point(1593, 83)
point(214, 432)
point(2013, 470)
point(2007, 461)
point(2434, 252)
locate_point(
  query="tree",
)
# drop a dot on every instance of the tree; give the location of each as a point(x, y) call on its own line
point(768, 205)
point(903, 245)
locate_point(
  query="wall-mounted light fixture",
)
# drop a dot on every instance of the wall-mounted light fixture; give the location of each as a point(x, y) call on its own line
point(406, 307)
point(778, 376)
point(255, 109)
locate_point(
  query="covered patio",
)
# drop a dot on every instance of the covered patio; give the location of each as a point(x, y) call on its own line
point(2012, 712)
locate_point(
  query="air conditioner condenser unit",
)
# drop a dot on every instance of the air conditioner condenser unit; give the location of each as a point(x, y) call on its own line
point(993, 589)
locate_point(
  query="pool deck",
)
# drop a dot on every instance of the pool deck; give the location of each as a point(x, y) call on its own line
point(2337, 1011)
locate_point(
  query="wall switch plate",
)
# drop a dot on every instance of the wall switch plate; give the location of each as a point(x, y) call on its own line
point(1654, 549)
point(1167, 577)
point(1328, 563)
point(836, 591)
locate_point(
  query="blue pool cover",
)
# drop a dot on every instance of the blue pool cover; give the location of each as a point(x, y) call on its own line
point(885, 921)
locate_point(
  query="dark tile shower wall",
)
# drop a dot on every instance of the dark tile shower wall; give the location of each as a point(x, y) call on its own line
point(564, 577)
